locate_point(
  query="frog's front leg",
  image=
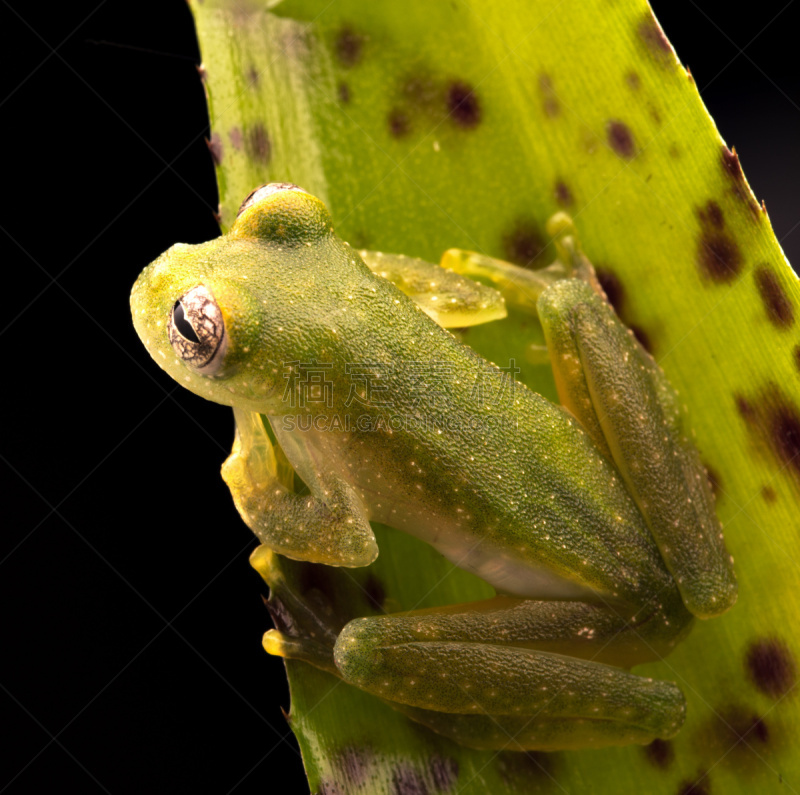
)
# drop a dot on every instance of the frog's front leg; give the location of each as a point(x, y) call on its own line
point(452, 300)
point(327, 525)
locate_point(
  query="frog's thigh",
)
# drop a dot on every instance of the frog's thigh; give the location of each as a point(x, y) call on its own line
point(624, 401)
point(328, 526)
point(447, 672)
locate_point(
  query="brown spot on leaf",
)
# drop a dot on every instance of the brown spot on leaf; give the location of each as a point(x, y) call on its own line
point(633, 80)
point(214, 145)
point(612, 287)
point(399, 123)
point(744, 408)
point(563, 194)
point(771, 667)
point(739, 187)
point(236, 138)
point(343, 90)
point(550, 103)
point(654, 39)
point(257, 144)
point(620, 139)
point(768, 493)
point(778, 307)
point(408, 781)
point(699, 786)
point(759, 729)
point(737, 733)
point(523, 244)
point(352, 764)
point(462, 104)
point(444, 772)
point(786, 435)
point(738, 725)
point(253, 77)
point(660, 753)
point(348, 46)
point(654, 114)
point(774, 425)
point(711, 215)
point(718, 255)
point(615, 293)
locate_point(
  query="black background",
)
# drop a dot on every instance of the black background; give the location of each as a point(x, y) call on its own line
point(131, 658)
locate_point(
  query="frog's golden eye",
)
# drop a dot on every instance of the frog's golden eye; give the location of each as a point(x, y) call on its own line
point(197, 331)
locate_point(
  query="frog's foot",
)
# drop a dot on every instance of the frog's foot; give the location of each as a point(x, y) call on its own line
point(326, 526)
point(515, 674)
point(521, 287)
point(306, 623)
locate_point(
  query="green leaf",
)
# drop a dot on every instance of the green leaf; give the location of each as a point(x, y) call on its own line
point(426, 126)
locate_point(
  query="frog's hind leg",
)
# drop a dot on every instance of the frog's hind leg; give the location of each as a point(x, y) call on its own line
point(516, 674)
point(624, 401)
point(627, 406)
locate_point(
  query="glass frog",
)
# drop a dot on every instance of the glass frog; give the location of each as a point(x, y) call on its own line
point(593, 520)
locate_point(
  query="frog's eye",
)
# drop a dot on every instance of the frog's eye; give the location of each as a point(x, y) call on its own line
point(266, 190)
point(197, 331)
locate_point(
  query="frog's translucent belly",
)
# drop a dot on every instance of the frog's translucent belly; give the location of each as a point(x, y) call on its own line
point(457, 531)
point(459, 539)
point(505, 573)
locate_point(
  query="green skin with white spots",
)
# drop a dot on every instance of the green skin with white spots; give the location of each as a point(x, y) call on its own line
point(593, 520)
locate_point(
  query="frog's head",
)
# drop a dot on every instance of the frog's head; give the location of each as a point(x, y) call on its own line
point(224, 317)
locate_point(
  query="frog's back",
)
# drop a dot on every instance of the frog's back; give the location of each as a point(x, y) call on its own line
point(450, 449)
